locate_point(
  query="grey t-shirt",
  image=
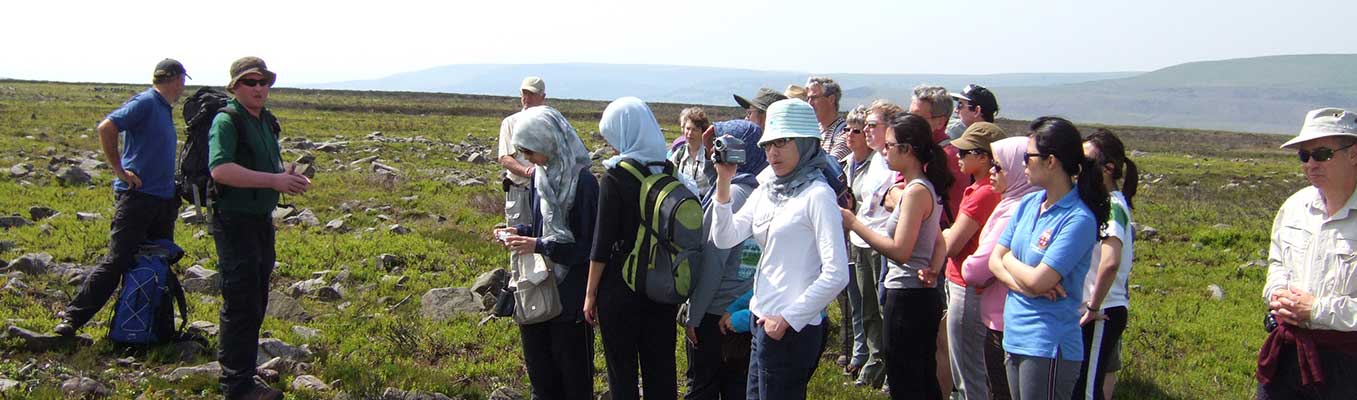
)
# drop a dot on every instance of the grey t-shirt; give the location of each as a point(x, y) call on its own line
point(906, 276)
point(722, 276)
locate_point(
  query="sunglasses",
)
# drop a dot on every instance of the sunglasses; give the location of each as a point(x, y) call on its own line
point(890, 145)
point(1321, 154)
point(967, 152)
point(963, 105)
point(1027, 157)
point(996, 169)
point(854, 131)
point(775, 143)
point(255, 82)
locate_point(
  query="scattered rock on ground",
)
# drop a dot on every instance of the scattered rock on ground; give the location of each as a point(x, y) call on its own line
point(88, 216)
point(337, 225)
point(84, 388)
point(398, 229)
point(304, 332)
point(201, 280)
point(192, 217)
point(286, 308)
point(73, 176)
point(444, 303)
point(20, 170)
point(1217, 293)
point(389, 262)
point(35, 342)
point(505, 393)
point(212, 370)
point(32, 263)
point(13, 221)
point(203, 328)
point(309, 382)
point(7, 385)
point(397, 394)
point(271, 347)
point(305, 217)
point(38, 213)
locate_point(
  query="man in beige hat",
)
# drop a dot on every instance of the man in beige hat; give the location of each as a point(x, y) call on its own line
point(1311, 351)
point(250, 180)
point(517, 169)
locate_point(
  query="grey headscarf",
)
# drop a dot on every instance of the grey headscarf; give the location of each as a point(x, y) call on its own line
point(544, 130)
point(809, 168)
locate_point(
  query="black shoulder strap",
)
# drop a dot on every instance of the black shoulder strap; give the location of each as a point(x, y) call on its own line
point(177, 291)
point(239, 122)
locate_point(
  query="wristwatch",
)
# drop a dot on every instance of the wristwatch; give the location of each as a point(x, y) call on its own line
point(1089, 306)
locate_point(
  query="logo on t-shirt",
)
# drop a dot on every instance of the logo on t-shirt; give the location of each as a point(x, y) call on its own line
point(1044, 240)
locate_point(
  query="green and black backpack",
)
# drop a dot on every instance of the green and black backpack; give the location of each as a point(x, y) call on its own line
point(669, 240)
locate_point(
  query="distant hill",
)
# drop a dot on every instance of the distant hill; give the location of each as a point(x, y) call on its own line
point(675, 84)
point(1263, 94)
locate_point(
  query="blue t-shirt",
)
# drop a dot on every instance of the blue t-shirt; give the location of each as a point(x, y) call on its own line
point(148, 136)
point(1063, 238)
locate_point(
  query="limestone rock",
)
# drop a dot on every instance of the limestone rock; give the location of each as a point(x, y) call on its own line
point(13, 221)
point(84, 388)
point(444, 303)
point(286, 308)
point(309, 382)
point(32, 263)
point(73, 176)
point(212, 370)
point(38, 213)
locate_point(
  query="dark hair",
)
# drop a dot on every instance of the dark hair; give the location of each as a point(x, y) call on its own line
point(1059, 138)
point(914, 131)
point(1111, 150)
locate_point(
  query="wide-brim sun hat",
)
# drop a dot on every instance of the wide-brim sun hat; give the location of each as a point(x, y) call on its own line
point(247, 65)
point(790, 119)
point(1325, 122)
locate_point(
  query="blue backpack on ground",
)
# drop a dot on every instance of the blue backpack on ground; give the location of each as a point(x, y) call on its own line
point(144, 313)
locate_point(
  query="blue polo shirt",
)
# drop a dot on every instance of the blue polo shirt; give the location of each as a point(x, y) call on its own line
point(1063, 238)
point(148, 136)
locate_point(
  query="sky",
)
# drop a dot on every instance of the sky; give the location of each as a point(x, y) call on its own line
point(327, 41)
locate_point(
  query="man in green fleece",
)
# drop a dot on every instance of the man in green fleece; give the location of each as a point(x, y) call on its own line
point(244, 156)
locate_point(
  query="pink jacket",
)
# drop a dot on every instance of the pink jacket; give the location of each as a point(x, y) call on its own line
point(1008, 153)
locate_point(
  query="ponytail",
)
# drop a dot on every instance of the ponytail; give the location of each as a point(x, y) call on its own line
point(935, 170)
point(1131, 181)
point(1093, 192)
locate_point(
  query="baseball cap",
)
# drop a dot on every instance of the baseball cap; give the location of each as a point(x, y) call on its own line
point(979, 95)
point(533, 84)
point(169, 67)
point(762, 99)
point(979, 136)
point(1325, 122)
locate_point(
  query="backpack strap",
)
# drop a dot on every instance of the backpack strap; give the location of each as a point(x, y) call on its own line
point(177, 291)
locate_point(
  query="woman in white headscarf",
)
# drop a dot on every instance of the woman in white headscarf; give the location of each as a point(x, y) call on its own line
point(637, 332)
point(559, 353)
point(804, 263)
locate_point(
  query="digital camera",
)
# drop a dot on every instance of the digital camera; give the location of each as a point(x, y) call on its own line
point(729, 150)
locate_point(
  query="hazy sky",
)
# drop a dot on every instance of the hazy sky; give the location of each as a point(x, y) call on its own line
point(324, 41)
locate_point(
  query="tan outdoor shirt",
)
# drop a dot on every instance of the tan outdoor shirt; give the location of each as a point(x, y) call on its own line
point(1318, 255)
point(506, 148)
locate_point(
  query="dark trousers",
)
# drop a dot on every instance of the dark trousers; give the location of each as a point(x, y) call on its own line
point(245, 256)
point(560, 359)
point(718, 366)
point(638, 334)
point(781, 369)
point(994, 365)
point(139, 217)
point(1340, 377)
point(1107, 343)
point(911, 331)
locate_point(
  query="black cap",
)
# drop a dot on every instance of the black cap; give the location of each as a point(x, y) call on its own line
point(170, 67)
point(762, 99)
point(979, 95)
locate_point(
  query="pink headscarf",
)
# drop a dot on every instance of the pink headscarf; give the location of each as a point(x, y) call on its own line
point(1008, 154)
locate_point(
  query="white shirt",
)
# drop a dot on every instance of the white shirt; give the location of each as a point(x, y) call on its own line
point(1118, 226)
point(506, 147)
point(804, 262)
point(1318, 255)
point(875, 182)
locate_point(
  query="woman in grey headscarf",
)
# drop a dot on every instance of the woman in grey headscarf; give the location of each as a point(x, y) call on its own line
point(637, 332)
point(559, 353)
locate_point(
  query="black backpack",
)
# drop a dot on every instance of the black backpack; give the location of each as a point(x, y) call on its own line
point(193, 179)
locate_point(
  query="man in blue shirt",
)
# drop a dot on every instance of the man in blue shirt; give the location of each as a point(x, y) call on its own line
point(143, 186)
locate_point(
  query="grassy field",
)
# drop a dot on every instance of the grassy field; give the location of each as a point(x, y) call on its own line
point(1210, 195)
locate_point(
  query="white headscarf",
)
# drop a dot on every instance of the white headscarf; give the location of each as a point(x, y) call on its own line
point(544, 130)
point(630, 127)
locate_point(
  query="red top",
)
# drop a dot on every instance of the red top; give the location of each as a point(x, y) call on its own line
point(977, 202)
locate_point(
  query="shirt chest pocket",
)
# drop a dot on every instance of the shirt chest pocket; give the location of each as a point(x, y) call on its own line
point(1295, 246)
point(1343, 256)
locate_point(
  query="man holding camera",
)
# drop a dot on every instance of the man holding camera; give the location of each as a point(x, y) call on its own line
point(1311, 350)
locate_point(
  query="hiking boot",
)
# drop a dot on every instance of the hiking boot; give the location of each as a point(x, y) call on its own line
point(65, 328)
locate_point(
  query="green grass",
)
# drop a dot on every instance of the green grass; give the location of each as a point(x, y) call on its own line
point(1179, 344)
